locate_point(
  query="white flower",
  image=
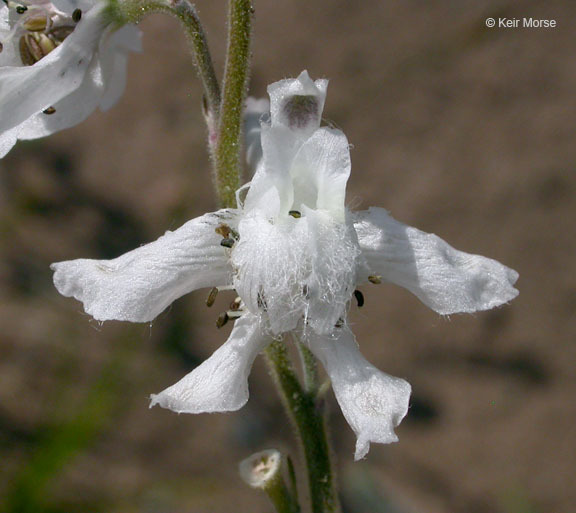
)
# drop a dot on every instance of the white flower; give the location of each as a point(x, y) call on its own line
point(295, 254)
point(58, 62)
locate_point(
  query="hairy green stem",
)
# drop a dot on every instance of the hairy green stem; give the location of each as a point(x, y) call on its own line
point(280, 496)
point(228, 146)
point(308, 419)
point(309, 367)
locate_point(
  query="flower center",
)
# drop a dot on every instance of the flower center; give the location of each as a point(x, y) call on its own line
point(39, 27)
point(298, 268)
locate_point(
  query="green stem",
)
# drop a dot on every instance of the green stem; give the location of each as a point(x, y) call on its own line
point(228, 146)
point(309, 367)
point(280, 496)
point(308, 419)
point(187, 14)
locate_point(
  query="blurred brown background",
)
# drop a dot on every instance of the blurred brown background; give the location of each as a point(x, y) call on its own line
point(461, 130)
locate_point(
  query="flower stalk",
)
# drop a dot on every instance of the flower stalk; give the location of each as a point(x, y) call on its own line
point(228, 145)
point(307, 416)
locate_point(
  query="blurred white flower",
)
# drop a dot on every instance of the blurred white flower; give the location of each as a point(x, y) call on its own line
point(295, 254)
point(58, 62)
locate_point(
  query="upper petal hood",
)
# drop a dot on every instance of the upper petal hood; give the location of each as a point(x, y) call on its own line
point(221, 382)
point(297, 103)
point(140, 284)
point(373, 402)
point(445, 279)
point(302, 164)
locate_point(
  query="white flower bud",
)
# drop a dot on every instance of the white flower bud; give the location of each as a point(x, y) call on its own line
point(262, 469)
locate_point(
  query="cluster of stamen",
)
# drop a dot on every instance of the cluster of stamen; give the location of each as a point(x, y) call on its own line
point(229, 236)
point(236, 308)
point(44, 29)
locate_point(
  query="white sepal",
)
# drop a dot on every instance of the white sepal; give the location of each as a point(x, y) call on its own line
point(372, 402)
point(140, 284)
point(443, 278)
point(221, 382)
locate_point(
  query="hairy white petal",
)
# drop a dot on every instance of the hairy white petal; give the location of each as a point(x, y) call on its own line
point(221, 382)
point(140, 284)
point(445, 279)
point(372, 402)
point(296, 268)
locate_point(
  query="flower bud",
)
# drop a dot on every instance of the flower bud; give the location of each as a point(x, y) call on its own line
point(262, 469)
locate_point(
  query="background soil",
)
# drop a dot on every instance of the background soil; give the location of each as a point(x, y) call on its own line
point(461, 130)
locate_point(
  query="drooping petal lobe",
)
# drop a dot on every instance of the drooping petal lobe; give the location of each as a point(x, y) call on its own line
point(372, 402)
point(140, 284)
point(443, 278)
point(221, 382)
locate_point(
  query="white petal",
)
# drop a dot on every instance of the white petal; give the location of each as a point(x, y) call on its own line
point(303, 115)
point(445, 279)
point(372, 402)
point(27, 90)
point(7, 140)
point(254, 113)
point(102, 86)
point(140, 284)
point(320, 172)
point(114, 55)
point(68, 6)
point(296, 268)
point(221, 382)
point(271, 190)
point(69, 111)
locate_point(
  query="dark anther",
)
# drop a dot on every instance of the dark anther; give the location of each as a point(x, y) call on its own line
point(223, 229)
point(375, 279)
point(211, 297)
point(76, 15)
point(222, 320)
point(235, 305)
point(49, 110)
point(339, 323)
point(1, 47)
point(306, 291)
point(261, 301)
point(359, 298)
point(227, 243)
point(295, 213)
point(21, 9)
